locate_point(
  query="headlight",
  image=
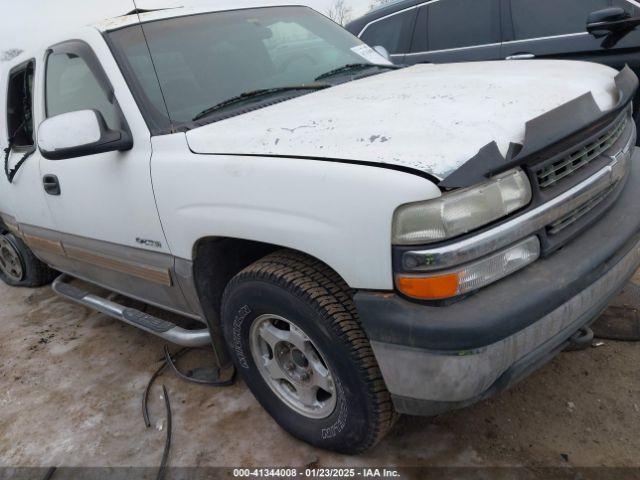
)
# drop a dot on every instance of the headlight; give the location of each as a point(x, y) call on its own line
point(471, 276)
point(461, 211)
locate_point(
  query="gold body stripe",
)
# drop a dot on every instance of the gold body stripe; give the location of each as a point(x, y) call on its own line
point(151, 274)
point(39, 243)
point(158, 275)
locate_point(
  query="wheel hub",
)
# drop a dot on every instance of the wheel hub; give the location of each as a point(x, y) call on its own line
point(299, 359)
point(293, 362)
point(10, 261)
point(292, 366)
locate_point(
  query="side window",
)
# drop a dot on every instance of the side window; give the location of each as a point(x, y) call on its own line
point(20, 106)
point(546, 18)
point(71, 86)
point(462, 23)
point(392, 32)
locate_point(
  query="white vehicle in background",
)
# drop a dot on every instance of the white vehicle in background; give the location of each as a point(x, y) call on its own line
point(359, 239)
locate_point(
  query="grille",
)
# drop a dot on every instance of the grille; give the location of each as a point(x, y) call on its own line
point(551, 174)
point(579, 212)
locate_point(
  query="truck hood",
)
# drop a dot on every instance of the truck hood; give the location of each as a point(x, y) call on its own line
point(432, 118)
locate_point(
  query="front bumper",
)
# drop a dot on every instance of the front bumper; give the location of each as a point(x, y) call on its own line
point(437, 358)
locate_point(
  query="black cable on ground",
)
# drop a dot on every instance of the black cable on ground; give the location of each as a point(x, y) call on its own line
point(580, 340)
point(156, 374)
point(167, 443)
point(214, 383)
point(169, 361)
point(49, 474)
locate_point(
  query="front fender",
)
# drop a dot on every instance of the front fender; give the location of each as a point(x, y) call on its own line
point(340, 213)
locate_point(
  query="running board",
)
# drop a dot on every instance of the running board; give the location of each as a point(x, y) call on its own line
point(131, 316)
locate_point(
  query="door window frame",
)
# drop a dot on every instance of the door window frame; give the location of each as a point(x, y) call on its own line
point(29, 63)
point(508, 26)
point(413, 32)
point(507, 33)
point(398, 12)
point(83, 50)
point(408, 41)
point(457, 49)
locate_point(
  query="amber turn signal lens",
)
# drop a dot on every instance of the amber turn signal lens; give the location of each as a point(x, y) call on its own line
point(471, 276)
point(429, 288)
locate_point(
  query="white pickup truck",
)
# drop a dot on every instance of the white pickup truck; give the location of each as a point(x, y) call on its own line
point(359, 239)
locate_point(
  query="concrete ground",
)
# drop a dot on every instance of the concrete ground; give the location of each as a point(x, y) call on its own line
point(71, 382)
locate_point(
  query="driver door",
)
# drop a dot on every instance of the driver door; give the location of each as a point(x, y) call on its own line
point(103, 204)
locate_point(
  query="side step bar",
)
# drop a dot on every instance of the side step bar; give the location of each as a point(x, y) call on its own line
point(162, 328)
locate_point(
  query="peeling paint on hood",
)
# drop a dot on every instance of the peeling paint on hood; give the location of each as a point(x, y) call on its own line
point(431, 118)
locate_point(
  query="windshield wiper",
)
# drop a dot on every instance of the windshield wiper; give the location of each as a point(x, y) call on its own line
point(352, 67)
point(258, 93)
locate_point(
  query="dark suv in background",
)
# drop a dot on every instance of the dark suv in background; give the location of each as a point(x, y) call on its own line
point(417, 31)
point(441, 31)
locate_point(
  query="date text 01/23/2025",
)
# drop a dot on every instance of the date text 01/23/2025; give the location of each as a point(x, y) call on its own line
point(316, 472)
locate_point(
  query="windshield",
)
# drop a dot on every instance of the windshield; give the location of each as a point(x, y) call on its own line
point(207, 59)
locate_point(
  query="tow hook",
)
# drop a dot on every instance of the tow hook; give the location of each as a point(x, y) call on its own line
point(580, 340)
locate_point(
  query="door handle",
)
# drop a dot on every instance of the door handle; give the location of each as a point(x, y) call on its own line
point(51, 184)
point(520, 56)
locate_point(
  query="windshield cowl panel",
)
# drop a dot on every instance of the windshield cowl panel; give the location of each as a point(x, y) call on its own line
point(256, 95)
point(235, 109)
point(207, 62)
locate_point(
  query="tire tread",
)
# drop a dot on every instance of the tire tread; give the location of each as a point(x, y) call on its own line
point(312, 280)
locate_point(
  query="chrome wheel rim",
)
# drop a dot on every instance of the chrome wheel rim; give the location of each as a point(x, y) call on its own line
point(10, 261)
point(292, 366)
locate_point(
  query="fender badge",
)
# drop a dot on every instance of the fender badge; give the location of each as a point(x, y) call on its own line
point(148, 243)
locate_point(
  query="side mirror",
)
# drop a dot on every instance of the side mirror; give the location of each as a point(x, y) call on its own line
point(383, 51)
point(80, 133)
point(612, 14)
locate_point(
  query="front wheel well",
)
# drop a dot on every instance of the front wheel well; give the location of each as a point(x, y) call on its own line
point(216, 261)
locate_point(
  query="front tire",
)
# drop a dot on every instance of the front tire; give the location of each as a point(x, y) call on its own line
point(293, 330)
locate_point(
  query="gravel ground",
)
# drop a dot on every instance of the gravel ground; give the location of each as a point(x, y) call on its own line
point(71, 382)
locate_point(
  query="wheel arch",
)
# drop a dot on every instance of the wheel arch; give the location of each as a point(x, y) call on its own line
point(216, 260)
